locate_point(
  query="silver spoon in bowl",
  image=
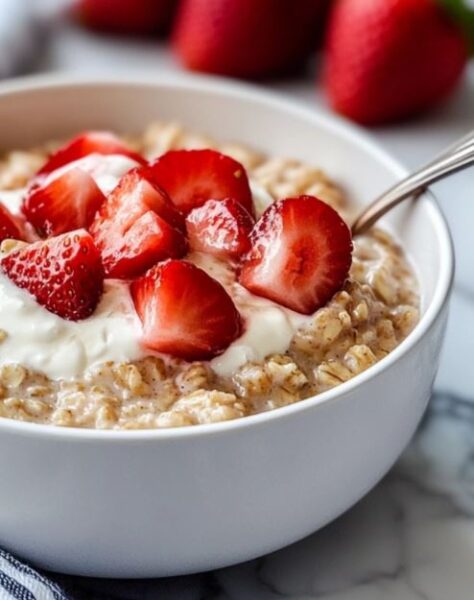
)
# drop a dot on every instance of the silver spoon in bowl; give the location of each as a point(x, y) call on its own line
point(458, 156)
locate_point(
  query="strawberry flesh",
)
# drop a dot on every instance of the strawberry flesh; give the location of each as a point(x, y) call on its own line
point(136, 227)
point(192, 177)
point(184, 312)
point(63, 273)
point(10, 227)
point(221, 228)
point(89, 142)
point(300, 256)
point(62, 204)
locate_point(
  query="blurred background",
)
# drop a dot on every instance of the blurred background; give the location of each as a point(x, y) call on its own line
point(374, 61)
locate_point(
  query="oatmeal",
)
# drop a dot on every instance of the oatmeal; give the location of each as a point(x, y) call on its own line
point(96, 372)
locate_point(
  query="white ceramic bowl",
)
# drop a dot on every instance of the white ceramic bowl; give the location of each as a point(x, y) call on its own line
point(152, 503)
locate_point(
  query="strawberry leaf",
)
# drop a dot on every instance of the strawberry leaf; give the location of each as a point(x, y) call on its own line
point(462, 12)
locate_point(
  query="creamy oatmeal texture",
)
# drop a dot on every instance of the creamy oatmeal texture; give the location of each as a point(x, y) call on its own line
point(99, 376)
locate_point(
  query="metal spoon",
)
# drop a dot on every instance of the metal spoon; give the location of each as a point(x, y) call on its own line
point(458, 156)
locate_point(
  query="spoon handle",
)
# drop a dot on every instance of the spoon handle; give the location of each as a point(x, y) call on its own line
point(457, 157)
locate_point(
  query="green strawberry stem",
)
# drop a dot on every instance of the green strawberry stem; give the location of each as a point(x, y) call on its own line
point(462, 12)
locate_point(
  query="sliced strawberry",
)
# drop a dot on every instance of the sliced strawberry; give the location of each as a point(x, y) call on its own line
point(63, 203)
point(63, 273)
point(149, 240)
point(10, 227)
point(192, 177)
point(137, 227)
point(220, 227)
point(89, 142)
point(300, 256)
point(138, 195)
point(184, 311)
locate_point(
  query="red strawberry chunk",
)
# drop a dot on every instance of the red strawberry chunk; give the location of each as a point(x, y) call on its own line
point(184, 311)
point(149, 240)
point(63, 203)
point(220, 228)
point(63, 273)
point(90, 142)
point(192, 177)
point(137, 227)
point(300, 256)
point(10, 226)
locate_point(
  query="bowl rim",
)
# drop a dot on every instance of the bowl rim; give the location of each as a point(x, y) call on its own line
point(340, 126)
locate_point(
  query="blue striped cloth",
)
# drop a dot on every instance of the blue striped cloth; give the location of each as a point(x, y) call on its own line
point(18, 581)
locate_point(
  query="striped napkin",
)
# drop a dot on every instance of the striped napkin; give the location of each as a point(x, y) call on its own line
point(18, 581)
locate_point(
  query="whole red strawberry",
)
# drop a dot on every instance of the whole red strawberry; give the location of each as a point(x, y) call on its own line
point(126, 16)
point(390, 59)
point(246, 38)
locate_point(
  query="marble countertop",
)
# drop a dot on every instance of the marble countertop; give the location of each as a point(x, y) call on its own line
point(412, 537)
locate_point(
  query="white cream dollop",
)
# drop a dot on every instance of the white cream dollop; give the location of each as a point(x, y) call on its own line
point(59, 348)
point(268, 326)
point(12, 200)
point(44, 341)
point(106, 170)
point(261, 198)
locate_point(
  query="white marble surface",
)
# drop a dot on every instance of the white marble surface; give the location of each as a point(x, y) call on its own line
point(412, 538)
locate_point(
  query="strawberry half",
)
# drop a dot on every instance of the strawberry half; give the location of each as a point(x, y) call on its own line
point(10, 227)
point(62, 204)
point(63, 273)
point(90, 142)
point(192, 177)
point(300, 256)
point(136, 227)
point(221, 228)
point(184, 311)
